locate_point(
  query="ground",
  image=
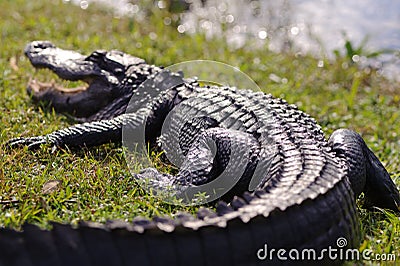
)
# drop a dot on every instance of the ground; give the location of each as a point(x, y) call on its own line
point(95, 184)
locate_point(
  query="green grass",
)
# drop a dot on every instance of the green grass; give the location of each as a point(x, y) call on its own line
point(95, 184)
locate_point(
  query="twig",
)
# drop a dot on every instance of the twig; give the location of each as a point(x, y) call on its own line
point(6, 202)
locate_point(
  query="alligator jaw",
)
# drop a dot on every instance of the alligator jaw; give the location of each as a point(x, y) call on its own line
point(71, 66)
point(68, 65)
point(37, 88)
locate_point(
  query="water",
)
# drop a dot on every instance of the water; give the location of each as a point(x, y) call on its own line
point(318, 27)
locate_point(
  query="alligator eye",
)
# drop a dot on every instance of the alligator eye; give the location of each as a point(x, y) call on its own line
point(118, 71)
point(96, 55)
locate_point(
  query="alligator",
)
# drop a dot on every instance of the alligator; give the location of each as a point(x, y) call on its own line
point(295, 189)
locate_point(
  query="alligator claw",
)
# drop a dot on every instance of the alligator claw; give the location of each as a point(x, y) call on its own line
point(36, 144)
point(32, 143)
point(15, 142)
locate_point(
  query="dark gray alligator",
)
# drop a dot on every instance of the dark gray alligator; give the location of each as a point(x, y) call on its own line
point(303, 187)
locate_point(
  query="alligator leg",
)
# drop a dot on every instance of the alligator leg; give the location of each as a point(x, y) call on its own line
point(86, 134)
point(219, 161)
point(366, 173)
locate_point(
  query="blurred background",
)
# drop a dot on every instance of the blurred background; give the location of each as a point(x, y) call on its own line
point(318, 27)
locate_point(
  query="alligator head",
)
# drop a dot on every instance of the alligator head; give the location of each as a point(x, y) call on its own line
point(103, 71)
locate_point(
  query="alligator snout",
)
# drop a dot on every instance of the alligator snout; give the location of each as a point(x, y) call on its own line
point(37, 46)
point(102, 71)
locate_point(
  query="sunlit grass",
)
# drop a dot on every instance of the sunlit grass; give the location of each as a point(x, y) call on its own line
point(95, 184)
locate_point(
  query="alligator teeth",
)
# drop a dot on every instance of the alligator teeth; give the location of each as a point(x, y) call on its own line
point(36, 86)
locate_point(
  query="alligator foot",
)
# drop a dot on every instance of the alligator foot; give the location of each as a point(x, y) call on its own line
point(365, 171)
point(32, 143)
point(226, 163)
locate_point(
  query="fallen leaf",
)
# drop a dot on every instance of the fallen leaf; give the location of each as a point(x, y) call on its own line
point(51, 186)
point(13, 63)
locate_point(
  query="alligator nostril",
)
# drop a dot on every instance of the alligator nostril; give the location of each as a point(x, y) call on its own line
point(36, 46)
point(42, 45)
